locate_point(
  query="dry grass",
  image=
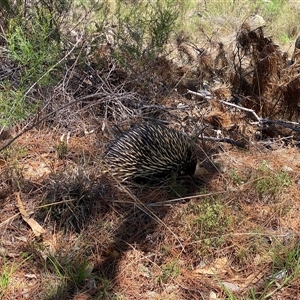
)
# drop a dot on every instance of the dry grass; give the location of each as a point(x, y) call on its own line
point(100, 244)
point(232, 233)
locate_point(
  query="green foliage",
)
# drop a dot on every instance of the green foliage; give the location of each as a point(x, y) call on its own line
point(62, 149)
point(169, 271)
point(285, 269)
point(216, 7)
point(285, 38)
point(33, 44)
point(272, 8)
point(5, 278)
point(33, 48)
point(263, 167)
point(70, 272)
point(287, 258)
point(7, 272)
point(209, 221)
point(144, 28)
point(235, 177)
point(211, 218)
point(14, 153)
point(281, 17)
point(269, 182)
point(13, 106)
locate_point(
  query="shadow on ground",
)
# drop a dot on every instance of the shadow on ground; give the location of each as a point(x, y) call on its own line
point(134, 230)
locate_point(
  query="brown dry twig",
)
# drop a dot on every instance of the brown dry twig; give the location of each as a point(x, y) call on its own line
point(37, 123)
point(259, 120)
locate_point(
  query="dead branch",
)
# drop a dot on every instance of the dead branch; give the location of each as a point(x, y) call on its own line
point(259, 120)
point(37, 123)
point(286, 124)
point(225, 140)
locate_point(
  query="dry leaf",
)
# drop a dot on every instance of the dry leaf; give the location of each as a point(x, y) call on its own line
point(34, 225)
point(2, 162)
point(217, 267)
point(21, 207)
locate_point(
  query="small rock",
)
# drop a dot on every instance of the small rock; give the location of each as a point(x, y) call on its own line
point(231, 286)
point(287, 169)
point(212, 296)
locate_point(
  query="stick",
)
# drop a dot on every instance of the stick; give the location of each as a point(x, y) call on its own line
point(225, 140)
point(243, 108)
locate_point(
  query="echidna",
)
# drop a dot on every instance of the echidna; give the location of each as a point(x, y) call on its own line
point(149, 151)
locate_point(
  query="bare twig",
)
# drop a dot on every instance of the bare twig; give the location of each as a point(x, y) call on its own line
point(225, 140)
point(244, 109)
point(181, 199)
point(203, 93)
point(261, 121)
point(207, 95)
point(286, 124)
point(37, 123)
point(53, 67)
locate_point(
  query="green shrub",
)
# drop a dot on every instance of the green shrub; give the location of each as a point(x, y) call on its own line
point(209, 222)
point(33, 48)
point(13, 106)
point(144, 28)
point(169, 271)
point(33, 44)
point(269, 182)
point(272, 8)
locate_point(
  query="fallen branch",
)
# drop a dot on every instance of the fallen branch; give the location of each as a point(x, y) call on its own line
point(286, 124)
point(259, 120)
point(203, 93)
point(225, 140)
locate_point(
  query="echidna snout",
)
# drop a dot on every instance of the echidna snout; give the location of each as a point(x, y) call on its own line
point(150, 150)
